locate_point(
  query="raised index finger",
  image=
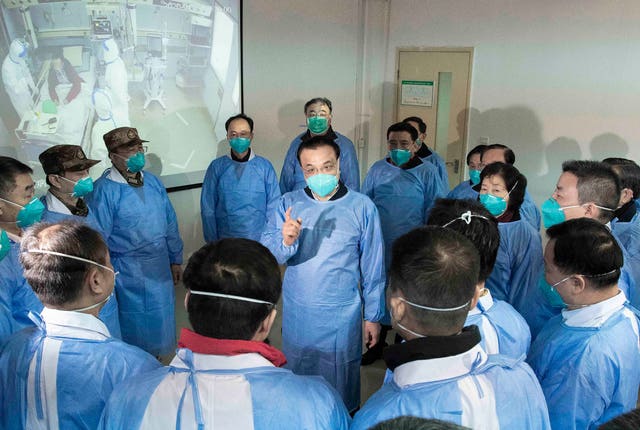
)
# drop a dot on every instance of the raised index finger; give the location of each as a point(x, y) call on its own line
point(287, 215)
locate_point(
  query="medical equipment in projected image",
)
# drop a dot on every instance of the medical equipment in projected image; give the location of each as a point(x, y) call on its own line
point(191, 68)
point(101, 28)
point(154, 71)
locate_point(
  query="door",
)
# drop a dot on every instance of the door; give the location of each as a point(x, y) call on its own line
point(434, 84)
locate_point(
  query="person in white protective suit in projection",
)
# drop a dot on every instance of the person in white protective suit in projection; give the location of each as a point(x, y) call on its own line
point(17, 79)
point(106, 120)
point(116, 80)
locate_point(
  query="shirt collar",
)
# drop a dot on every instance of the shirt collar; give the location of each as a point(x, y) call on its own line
point(55, 205)
point(74, 324)
point(485, 302)
point(594, 315)
point(224, 362)
point(116, 176)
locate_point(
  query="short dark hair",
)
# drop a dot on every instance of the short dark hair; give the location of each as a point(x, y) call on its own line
point(416, 423)
point(628, 173)
point(437, 267)
point(57, 280)
point(9, 169)
point(628, 421)
point(239, 116)
point(403, 126)
point(422, 126)
point(515, 181)
point(323, 100)
point(509, 155)
point(239, 267)
point(316, 142)
point(597, 183)
point(477, 150)
point(584, 246)
point(483, 233)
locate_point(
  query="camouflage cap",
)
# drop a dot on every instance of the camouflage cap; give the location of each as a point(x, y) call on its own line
point(121, 136)
point(61, 158)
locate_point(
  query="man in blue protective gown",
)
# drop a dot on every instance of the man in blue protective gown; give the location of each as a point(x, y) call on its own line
point(239, 189)
point(60, 373)
point(67, 173)
point(19, 209)
point(442, 371)
point(329, 236)
point(427, 154)
point(318, 114)
point(403, 187)
point(140, 227)
point(231, 378)
point(588, 358)
point(7, 324)
point(464, 190)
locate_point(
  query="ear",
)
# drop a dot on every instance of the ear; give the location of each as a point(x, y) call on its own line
point(265, 326)
point(54, 180)
point(478, 293)
point(186, 300)
point(626, 195)
point(97, 281)
point(591, 211)
point(397, 307)
point(578, 285)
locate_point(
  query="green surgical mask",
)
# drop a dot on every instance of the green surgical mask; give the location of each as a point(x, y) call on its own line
point(317, 124)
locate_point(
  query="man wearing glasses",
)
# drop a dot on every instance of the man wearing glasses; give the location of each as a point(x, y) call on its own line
point(140, 227)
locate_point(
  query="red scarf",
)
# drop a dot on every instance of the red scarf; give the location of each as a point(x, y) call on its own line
point(209, 345)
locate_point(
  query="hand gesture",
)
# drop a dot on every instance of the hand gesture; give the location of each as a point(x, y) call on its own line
point(290, 228)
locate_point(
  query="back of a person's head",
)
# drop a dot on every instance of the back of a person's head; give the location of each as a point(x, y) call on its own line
point(628, 421)
point(584, 246)
point(416, 423)
point(471, 219)
point(435, 267)
point(237, 267)
point(58, 280)
point(516, 182)
point(628, 173)
point(597, 183)
point(9, 169)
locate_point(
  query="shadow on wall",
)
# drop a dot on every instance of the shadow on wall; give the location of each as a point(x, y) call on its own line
point(608, 145)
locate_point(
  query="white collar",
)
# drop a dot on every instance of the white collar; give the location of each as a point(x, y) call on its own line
point(485, 302)
point(594, 315)
point(439, 369)
point(115, 175)
point(224, 362)
point(74, 324)
point(55, 205)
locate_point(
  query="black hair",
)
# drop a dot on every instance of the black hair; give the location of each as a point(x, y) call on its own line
point(239, 116)
point(509, 155)
point(58, 280)
point(416, 423)
point(483, 233)
point(628, 173)
point(628, 421)
point(9, 169)
point(477, 150)
point(422, 126)
point(316, 142)
point(436, 267)
point(403, 126)
point(597, 183)
point(238, 267)
point(323, 100)
point(584, 246)
point(515, 181)
point(57, 53)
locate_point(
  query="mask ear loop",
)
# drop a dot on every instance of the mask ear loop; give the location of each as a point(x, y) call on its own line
point(466, 217)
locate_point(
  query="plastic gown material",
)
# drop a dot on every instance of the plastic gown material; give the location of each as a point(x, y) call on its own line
point(292, 178)
point(628, 236)
point(277, 399)
point(77, 364)
point(18, 82)
point(471, 389)
point(141, 230)
point(464, 190)
point(441, 167)
point(237, 197)
point(340, 247)
point(589, 369)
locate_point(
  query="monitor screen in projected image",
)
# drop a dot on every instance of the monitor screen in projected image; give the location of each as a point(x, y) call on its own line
point(72, 71)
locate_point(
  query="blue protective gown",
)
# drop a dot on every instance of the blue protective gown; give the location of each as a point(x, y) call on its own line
point(464, 190)
point(237, 196)
point(109, 312)
point(77, 364)
point(141, 230)
point(277, 399)
point(471, 389)
point(503, 330)
point(437, 161)
point(628, 236)
point(292, 178)
point(340, 247)
point(588, 363)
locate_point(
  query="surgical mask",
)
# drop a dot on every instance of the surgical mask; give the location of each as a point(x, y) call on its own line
point(239, 144)
point(135, 163)
point(552, 213)
point(322, 184)
point(551, 294)
point(400, 156)
point(231, 297)
point(5, 245)
point(82, 187)
point(428, 308)
point(30, 213)
point(317, 124)
point(474, 176)
point(495, 205)
point(84, 260)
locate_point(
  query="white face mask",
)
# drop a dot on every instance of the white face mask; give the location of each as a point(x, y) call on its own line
point(229, 296)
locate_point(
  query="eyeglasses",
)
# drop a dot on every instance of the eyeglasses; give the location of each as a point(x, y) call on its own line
point(403, 144)
point(327, 169)
point(133, 148)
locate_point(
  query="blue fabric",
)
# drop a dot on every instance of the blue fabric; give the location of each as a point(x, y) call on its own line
point(628, 236)
point(464, 190)
point(280, 400)
point(340, 247)
point(437, 161)
point(518, 398)
point(404, 199)
point(236, 198)
point(292, 178)
point(588, 375)
point(630, 271)
point(141, 230)
point(109, 312)
point(87, 371)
